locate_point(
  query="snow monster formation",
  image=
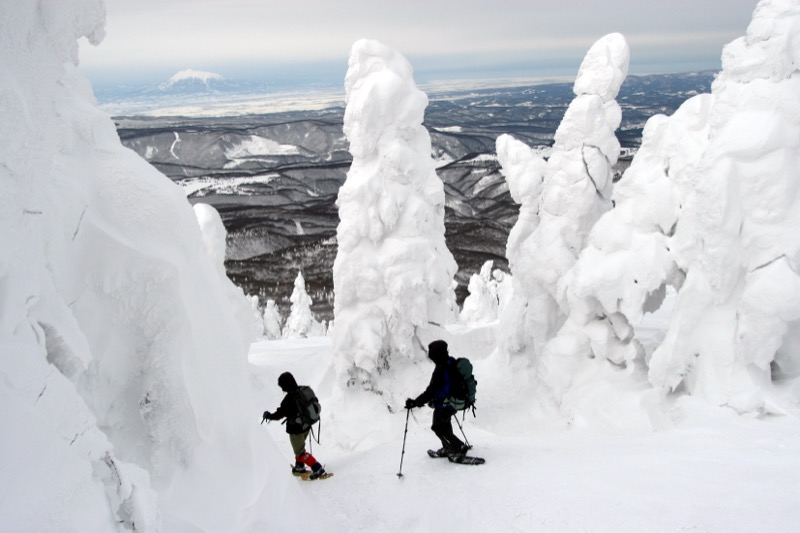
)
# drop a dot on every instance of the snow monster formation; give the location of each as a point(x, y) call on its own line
point(736, 322)
point(562, 198)
point(624, 270)
point(710, 206)
point(393, 272)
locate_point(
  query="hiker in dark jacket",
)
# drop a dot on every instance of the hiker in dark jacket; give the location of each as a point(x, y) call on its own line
point(436, 395)
point(297, 435)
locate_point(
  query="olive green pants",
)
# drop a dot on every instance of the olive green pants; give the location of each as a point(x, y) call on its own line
point(298, 441)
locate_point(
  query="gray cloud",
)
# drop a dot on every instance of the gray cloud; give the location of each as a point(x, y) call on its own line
point(174, 34)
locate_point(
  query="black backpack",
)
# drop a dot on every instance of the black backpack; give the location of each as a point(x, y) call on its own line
point(308, 407)
point(463, 385)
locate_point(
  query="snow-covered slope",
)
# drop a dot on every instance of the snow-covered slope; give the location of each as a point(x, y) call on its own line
point(698, 468)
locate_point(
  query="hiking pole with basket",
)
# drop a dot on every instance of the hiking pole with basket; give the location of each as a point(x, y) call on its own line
point(314, 438)
point(405, 433)
point(466, 441)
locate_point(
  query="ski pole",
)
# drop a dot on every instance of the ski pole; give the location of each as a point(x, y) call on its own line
point(466, 441)
point(405, 433)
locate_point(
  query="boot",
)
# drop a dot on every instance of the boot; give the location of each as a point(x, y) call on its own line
point(318, 472)
point(299, 469)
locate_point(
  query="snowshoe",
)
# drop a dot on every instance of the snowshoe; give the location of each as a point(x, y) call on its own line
point(466, 459)
point(441, 452)
point(319, 474)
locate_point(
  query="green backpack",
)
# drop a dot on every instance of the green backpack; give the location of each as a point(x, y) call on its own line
point(463, 385)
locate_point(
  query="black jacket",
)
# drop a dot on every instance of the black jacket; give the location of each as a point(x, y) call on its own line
point(288, 408)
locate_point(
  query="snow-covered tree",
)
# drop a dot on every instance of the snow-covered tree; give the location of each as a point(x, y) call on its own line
point(562, 199)
point(301, 322)
point(393, 271)
point(737, 316)
point(480, 307)
point(272, 321)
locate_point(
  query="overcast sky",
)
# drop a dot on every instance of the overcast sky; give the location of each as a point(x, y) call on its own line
point(311, 39)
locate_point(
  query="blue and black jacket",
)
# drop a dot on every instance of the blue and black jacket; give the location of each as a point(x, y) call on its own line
point(439, 388)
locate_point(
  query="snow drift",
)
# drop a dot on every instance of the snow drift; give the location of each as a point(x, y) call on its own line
point(125, 385)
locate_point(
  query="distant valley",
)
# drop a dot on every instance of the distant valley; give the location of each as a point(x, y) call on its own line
point(274, 177)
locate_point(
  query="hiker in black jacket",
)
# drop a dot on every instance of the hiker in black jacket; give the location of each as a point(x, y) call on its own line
point(297, 435)
point(436, 395)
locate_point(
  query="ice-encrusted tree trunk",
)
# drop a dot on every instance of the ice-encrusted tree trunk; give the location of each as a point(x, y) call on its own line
point(301, 322)
point(627, 264)
point(393, 271)
point(562, 198)
point(737, 317)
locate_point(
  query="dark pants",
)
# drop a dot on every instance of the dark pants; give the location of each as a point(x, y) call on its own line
point(443, 427)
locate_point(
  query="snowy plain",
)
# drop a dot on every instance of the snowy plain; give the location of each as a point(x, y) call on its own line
point(689, 467)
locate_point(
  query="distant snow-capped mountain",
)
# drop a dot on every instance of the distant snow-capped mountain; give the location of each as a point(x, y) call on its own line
point(190, 80)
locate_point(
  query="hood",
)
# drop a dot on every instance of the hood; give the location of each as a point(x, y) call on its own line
point(437, 351)
point(287, 382)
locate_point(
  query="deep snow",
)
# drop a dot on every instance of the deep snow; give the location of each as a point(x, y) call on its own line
point(632, 462)
point(703, 468)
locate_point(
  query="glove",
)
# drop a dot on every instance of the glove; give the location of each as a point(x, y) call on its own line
point(411, 403)
point(267, 414)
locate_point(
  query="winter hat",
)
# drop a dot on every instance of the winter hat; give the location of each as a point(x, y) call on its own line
point(437, 351)
point(287, 382)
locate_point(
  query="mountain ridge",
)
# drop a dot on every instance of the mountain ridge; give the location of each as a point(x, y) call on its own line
point(263, 195)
